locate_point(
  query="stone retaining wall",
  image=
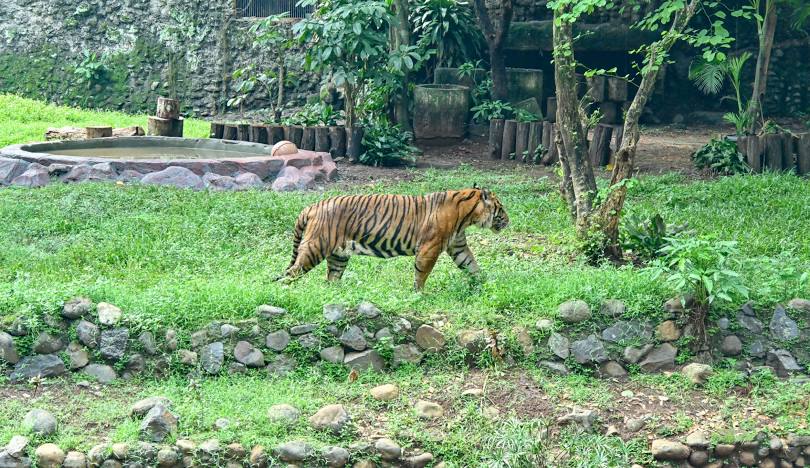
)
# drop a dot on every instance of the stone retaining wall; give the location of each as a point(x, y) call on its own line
point(147, 48)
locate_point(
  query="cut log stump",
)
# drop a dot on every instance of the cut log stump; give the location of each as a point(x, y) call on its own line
point(337, 142)
point(509, 135)
point(168, 108)
point(495, 138)
point(157, 126)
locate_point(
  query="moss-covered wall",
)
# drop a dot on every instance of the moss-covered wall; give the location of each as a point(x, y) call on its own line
point(131, 50)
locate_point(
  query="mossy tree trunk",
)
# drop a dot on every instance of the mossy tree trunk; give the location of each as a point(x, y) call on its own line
point(496, 35)
point(600, 224)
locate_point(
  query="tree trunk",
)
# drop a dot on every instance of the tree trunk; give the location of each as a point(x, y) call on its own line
point(496, 40)
point(579, 184)
point(282, 71)
point(624, 160)
point(402, 36)
point(766, 38)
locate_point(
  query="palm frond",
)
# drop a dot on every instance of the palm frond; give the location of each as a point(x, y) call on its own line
point(708, 76)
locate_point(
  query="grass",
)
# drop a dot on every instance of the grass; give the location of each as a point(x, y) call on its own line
point(183, 259)
point(26, 120)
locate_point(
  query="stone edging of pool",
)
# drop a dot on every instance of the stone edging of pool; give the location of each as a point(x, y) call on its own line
point(32, 165)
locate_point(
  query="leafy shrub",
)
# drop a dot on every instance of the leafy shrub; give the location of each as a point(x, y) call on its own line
point(720, 156)
point(702, 268)
point(645, 237)
point(489, 110)
point(449, 28)
point(386, 145)
point(314, 114)
point(522, 115)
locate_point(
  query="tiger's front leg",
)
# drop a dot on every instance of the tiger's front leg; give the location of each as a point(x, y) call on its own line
point(461, 254)
point(426, 258)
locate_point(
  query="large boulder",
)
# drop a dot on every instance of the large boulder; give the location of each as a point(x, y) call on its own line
point(8, 352)
point(331, 417)
point(40, 422)
point(574, 311)
point(214, 181)
point(660, 358)
point(88, 333)
point(248, 355)
point(86, 172)
point(353, 338)
point(76, 308)
point(10, 169)
point(40, 365)
point(559, 345)
point(429, 338)
point(158, 424)
point(589, 350)
point(35, 176)
point(113, 343)
point(175, 176)
point(783, 328)
point(100, 372)
point(668, 450)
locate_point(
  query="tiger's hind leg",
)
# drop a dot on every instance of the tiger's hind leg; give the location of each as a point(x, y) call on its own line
point(336, 265)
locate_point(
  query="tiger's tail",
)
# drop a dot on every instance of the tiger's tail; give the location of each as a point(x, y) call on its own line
point(298, 235)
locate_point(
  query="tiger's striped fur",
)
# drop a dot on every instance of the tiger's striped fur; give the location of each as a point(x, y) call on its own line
point(393, 225)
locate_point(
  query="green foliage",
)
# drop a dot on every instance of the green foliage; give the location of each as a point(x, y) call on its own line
point(91, 69)
point(645, 237)
point(706, 269)
point(449, 28)
point(314, 114)
point(489, 110)
point(349, 40)
point(522, 115)
point(386, 145)
point(722, 157)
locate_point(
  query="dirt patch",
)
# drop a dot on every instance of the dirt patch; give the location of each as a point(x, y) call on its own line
point(660, 150)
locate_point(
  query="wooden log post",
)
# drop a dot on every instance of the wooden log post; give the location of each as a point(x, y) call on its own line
point(774, 149)
point(495, 138)
point(599, 150)
point(597, 88)
point(354, 143)
point(98, 132)
point(275, 133)
point(168, 108)
point(293, 134)
point(535, 140)
point(509, 135)
point(308, 139)
point(803, 154)
point(337, 142)
point(546, 141)
point(258, 133)
point(551, 109)
point(788, 151)
point(552, 156)
point(157, 126)
point(229, 132)
point(617, 89)
point(754, 152)
point(217, 130)
point(521, 140)
point(610, 112)
point(243, 132)
point(322, 139)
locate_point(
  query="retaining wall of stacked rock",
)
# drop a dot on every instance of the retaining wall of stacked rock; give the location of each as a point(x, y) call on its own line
point(100, 341)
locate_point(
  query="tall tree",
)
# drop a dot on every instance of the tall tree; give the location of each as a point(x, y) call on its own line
point(401, 36)
point(496, 34)
point(598, 222)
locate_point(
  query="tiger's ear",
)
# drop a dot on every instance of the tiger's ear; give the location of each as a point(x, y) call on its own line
point(475, 186)
point(484, 194)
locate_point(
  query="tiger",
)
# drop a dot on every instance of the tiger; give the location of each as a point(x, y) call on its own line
point(387, 226)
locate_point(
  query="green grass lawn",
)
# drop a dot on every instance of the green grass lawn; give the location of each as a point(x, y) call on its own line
point(26, 120)
point(184, 258)
point(180, 258)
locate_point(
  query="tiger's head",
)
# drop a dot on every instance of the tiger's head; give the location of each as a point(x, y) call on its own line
point(490, 213)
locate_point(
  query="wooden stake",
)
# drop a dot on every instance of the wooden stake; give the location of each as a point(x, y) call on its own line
point(308, 139)
point(98, 132)
point(322, 139)
point(229, 132)
point(354, 143)
point(275, 133)
point(337, 142)
point(508, 144)
point(495, 138)
point(521, 140)
point(535, 139)
point(258, 133)
point(217, 130)
point(599, 150)
point(168, 108)
point(803, 154)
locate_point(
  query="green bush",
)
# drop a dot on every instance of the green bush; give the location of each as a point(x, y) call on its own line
point(645, 237)
point(386, 145)
point(722, 157)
